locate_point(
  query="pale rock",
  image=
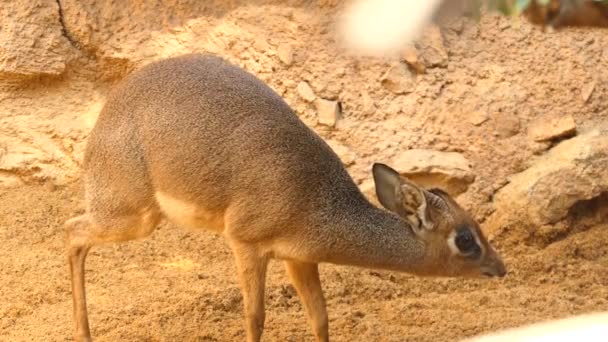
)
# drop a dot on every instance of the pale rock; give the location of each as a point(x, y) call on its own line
point(289, 83)
point(478, 117)
point(328, 111)
point(398, 79)
point(587, 90)
point(507, 126)
point(339, 72)
point(306, 92)
point(261, 45)
point(449, 171)
point(547, 129)
point(33, 42)
point(368, 104)
point(432, 49)
point(410, 56)
point(10, 181)
point(539, 147)
point(573, 171)
point(333, 88)
point(442, 146)
point(285, 53)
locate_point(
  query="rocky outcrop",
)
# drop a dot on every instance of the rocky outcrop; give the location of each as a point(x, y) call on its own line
point(548, 129)
point(449, 171)
point(33, 39)
point(573, 172)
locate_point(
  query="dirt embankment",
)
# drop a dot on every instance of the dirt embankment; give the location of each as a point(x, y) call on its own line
point(517, 105)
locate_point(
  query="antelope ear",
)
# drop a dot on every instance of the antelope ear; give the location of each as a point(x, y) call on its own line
point(401, 196)
point(388, 183)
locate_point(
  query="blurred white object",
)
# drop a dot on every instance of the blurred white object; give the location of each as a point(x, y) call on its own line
point(382, 27)
point(588, 328)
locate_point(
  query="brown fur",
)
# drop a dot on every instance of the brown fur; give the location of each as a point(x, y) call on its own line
point(207, 145)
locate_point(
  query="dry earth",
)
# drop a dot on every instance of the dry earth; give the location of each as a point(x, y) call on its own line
point(182, 286)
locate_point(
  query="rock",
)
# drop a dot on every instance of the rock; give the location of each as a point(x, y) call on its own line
point(399, 80)
point(10, 181)
point(573, 171)
point(449, 171)
point(507, 126)
point(552, 129)
point(504, 24)
point(432, 49)
point(442, 146)
point(410, 56)
point(328, 111)
point(261, 45)
point(368, 104)
point(33, 42)
point(333, 87)
point(539, 147)
point(587, 90)
point(33, 158)
point(285, 53)
point(289, 83)
point(478, 117)
point(306, 92)
point(346, 154)
point(112, 69)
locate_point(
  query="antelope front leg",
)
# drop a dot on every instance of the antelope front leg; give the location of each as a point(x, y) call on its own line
point(251, 267)
point(305, 278)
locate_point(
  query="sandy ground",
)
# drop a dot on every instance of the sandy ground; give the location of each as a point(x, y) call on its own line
point(181, 286)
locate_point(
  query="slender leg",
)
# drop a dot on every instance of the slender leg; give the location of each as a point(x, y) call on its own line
point(78, 250)
point(77, 257)
point(82, 235)
point(251, 267)
point(305, 278)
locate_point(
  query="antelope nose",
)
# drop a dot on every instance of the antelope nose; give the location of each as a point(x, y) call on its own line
point(494, 268)
point(501, 270)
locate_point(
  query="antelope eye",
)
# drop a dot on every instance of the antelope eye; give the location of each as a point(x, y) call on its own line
point(465, 241)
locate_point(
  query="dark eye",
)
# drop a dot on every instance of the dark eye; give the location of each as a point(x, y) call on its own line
point(465, 241)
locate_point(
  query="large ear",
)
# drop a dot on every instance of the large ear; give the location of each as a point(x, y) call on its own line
point(387, 183)
point(401, 196)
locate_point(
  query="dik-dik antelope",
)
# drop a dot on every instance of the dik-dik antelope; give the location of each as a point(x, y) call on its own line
point(205, 144)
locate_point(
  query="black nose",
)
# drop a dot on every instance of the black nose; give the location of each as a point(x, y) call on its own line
point(501, 269)
point(496, 268)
